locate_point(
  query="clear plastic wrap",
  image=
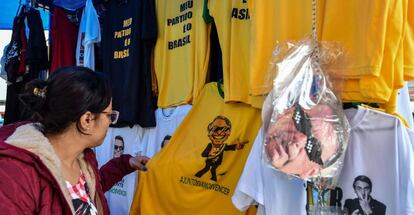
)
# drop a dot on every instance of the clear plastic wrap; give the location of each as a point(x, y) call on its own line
point(306, 129)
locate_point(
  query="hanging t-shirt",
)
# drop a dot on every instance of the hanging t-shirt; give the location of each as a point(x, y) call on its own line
point(232, 19)
point(372, 52)
point(12, 61)
point(398, 63)
point(25, 57)
point(403, 105)
point(129, 33)
point(376, 84)
point(408, 44)
point(120, 141)
point(272, 22)
point(63, 35)
point(274, 192)
point(198, 170)
point(36, 53)
point(181, 54)
point(377, 175)
point(12, 55)
point(364, 43)
point(89, 34)
point(168, 119)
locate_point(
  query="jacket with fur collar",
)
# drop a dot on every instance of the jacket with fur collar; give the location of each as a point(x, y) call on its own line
point(31, 180)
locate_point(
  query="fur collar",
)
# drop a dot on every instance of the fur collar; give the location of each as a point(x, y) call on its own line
point(32, 140)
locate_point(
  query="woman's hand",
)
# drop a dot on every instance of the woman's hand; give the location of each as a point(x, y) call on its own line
point(138, 162)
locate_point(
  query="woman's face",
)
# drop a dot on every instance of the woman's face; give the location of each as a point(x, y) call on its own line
point(102, 122)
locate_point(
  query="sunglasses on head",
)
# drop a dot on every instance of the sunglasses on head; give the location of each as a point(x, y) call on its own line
point(303, 124)
point(112, 116)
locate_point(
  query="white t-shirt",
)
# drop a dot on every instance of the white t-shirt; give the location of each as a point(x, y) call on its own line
point(379, 149)
point(274, 192)
point(167, 119)
point(120, 196)
point(89, 33)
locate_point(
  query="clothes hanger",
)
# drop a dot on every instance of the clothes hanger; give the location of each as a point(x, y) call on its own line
point(348, 105)
point(30, 4)
point(18, 8)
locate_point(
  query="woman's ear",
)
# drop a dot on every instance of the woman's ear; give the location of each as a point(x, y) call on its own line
point(86, 121)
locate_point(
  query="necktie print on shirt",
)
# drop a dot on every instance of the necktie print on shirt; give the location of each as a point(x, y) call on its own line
point(218, 132)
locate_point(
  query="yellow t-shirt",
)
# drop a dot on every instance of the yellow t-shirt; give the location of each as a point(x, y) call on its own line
point(409, 43)
point(399, 60)
point(360, 26)
point(191, 175)
point(232, 18)
point(272, 22)
point(181, 52)
point(378, 89)
point(364, 33)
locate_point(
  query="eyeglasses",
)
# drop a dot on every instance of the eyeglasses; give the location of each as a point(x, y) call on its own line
point(112, 116)
point(303, 125)
point(118, 148)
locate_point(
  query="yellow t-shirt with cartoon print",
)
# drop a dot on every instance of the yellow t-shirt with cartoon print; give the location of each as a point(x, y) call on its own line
point(197, 172)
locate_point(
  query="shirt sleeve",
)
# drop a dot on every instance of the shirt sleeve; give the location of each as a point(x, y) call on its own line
point(406, 155)
point(114, 170)
point(92, 28)
point(249, 190)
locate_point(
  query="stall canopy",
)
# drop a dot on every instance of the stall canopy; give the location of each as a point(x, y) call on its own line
point(8, 10)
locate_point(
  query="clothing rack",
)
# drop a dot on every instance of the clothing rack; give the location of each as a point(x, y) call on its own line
point(30, 4)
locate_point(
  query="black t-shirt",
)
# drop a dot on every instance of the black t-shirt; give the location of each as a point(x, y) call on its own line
point(36, 57)
point(129, 34)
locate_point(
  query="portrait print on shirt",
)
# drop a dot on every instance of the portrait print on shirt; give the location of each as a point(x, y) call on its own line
point(364, 203)
point(119, 146)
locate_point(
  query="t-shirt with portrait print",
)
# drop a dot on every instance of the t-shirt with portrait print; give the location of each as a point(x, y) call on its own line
point(168, 119)
point(120, 141)
point(377, 175)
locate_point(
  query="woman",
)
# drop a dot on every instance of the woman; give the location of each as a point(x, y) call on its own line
point(48, 167)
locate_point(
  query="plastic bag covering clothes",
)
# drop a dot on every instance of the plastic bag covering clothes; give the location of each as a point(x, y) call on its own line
point(306, 129)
